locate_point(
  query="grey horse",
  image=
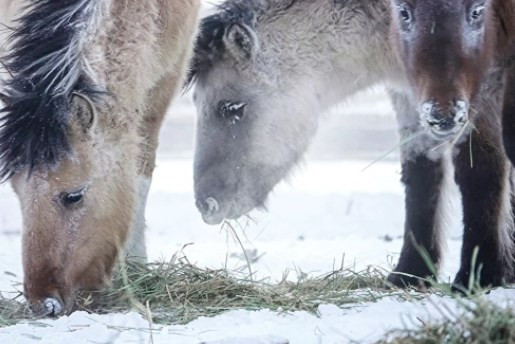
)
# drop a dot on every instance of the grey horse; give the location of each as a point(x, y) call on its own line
point(264, 71)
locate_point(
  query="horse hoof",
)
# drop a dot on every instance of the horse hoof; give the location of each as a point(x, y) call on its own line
point(407, 282)
point(462, 284)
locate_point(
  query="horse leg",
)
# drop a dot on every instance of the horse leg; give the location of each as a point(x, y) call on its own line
point(508, 114)
point(423, 174)
point(159, 100)
point(483, 176)
point(508, 126)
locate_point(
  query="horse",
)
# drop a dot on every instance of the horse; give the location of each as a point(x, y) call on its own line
point(452, 55)
point(264, 71)
point(89, 84)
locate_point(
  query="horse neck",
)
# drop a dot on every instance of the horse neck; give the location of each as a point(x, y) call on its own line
point(123, 56)
point(340, 48)
point(504, 21)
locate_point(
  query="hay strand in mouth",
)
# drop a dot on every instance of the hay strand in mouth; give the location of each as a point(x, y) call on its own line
point(235, 236)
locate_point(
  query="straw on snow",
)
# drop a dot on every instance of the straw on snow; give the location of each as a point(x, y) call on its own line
point(178, 292)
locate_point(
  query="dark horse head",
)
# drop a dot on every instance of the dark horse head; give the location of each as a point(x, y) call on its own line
point(445, 47)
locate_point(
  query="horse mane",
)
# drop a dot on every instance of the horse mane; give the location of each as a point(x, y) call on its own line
point(209, 44)
point(47, 65)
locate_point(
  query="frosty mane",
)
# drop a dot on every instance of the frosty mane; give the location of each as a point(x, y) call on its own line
point(209, 45)
point(47, 65)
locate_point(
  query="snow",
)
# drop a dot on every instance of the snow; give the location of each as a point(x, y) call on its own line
point(363, 324)
point(331, 211)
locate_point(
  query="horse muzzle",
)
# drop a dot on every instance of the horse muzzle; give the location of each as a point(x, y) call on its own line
point(444, 123)
point(52, 306)
point(211, 210)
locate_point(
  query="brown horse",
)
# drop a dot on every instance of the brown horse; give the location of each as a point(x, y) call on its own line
point(90, 82)
point(452, 53)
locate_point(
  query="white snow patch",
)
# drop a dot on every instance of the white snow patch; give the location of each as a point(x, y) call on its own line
point(365, 324)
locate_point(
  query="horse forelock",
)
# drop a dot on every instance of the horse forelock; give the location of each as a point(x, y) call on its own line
point(209, 45)
point(47, 65)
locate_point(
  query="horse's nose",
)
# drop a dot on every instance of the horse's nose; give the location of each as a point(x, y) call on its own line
point(53, 307)
point(49, 307)
point(445, 121)
point(208, 205)
point(212, 205)
point(210, 209)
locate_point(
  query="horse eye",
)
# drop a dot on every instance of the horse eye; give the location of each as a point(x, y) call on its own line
point(232, 111)
point(71, 198)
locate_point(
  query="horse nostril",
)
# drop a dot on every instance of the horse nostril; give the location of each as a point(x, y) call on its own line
point(212, 205)
point(208, 206)
point(211, 210)
point(461, 112)
point(53, 307)
point(461, 119)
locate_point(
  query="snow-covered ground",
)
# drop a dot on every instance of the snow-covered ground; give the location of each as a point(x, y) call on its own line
point(329, 211)
point(332, 325)
point(364, 323)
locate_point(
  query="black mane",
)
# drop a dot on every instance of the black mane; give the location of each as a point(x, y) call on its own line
point(47, 67)
point(209, 44)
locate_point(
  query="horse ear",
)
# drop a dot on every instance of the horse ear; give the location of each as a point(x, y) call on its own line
point(241, 41)
point(87, 113)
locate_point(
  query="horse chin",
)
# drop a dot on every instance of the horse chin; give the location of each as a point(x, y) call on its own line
point(446, 136)
point(213, 220)
point(217, 219)
point(234, 212)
